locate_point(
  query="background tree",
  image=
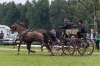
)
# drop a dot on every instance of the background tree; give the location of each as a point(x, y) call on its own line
point(39, 14)
point(40, 18)
point(56, 16)
point(95, 4)
point(12, 14)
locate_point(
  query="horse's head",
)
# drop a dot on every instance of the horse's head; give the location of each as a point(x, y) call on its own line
point(14, 27)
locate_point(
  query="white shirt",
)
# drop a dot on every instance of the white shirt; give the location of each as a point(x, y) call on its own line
point(91, 36)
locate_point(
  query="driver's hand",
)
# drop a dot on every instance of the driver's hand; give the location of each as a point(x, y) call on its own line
point(59, 26)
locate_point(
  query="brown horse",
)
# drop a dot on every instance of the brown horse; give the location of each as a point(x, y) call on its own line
point(44, 32)
point(29, 36)
point(47, 38)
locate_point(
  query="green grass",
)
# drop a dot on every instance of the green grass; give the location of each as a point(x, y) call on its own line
point(9, 57)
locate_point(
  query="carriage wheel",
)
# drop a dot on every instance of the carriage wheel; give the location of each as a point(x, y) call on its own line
point(76, 46)
point(89, 47)
point(57, 48)
point(65, 49)
point(71, 47)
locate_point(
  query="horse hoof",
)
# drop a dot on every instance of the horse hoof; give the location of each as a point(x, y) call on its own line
point(52, 55)
point(13, 47)
point(33, 51)
point(18, 53)
point(41, 50)
point(28, 53)
point(49, 51)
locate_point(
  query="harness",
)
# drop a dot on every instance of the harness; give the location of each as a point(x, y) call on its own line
point(24, 33)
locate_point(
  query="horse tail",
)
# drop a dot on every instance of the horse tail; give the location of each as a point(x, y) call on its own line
point(47, 37)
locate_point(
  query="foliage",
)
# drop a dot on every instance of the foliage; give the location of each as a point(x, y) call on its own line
point(40, 14)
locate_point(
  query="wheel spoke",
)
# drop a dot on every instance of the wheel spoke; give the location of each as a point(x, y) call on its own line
point(57, 48)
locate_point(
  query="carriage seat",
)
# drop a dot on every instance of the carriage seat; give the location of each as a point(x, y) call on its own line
point(71, 31)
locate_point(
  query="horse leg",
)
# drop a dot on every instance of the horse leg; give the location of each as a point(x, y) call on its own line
point(14, 43)
point(21, 40)
point(19, 48)
point(49, 49)
point(29, 47)
point(42, 47)
point(46, 43)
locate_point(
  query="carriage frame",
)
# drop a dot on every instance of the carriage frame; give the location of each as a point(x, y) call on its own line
point(72, 45)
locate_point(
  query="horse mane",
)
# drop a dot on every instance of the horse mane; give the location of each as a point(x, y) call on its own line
point(19, 24)
point(24, 24)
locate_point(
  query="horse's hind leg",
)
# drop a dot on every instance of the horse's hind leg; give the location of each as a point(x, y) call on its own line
point(49, 49)
point(42, 43)
point(42, 47)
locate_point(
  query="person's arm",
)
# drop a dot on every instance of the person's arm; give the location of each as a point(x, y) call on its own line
point(1, 34)
point(97, 37)
point(64, 26)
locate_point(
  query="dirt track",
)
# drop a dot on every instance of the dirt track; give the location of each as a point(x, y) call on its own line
point(94, 53)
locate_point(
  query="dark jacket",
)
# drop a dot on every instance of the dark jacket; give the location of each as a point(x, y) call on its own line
point(82, 28)
point(1, 35)
point(67, 25)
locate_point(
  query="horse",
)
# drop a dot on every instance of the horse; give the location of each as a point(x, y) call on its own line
point(44, 32)
point(47, 34)
point(29, 36)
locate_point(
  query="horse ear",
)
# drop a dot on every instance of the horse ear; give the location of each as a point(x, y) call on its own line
point(22, 21)
point(13, 22)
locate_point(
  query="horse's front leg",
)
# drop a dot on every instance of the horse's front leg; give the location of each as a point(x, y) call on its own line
point(29, 48)
point(49, 49)
point(14, 43)
point(21, 40)
point(19, 48)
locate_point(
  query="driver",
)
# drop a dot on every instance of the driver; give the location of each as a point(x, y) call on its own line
point(67, 24)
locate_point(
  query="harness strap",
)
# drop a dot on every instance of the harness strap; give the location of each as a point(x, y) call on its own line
point(24, 33)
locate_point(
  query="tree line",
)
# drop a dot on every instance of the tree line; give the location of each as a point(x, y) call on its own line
point(41, 14)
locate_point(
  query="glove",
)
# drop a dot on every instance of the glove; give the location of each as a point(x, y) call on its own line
point(59, 26)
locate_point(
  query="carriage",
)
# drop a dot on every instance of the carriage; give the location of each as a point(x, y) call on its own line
point(71, 44)
point(64, 45)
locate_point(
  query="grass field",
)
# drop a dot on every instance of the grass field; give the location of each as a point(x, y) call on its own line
point(9, 57)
